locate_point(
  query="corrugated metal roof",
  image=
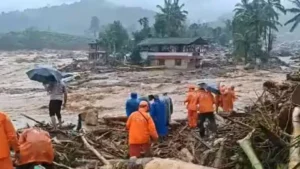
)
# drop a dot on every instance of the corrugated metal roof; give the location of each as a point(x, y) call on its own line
point(171, 41)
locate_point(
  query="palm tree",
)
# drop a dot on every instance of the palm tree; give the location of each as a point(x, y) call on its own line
point(173, 15)
point(144, 22)
point(296, 19)
point(271, 8)
point(248, 21)
point(242, 8)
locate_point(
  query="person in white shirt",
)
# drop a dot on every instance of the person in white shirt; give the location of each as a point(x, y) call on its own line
point(58, 98)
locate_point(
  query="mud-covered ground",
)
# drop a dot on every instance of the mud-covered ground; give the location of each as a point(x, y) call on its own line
point(106, 93)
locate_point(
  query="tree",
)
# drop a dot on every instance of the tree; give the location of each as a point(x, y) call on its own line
point(144, 22)
point(271, 11)
point(171, 18)
point(114, 38)
point(94, 25)
point(258, 18)
point(135, 57)
point(296, 19)
point(144, 33)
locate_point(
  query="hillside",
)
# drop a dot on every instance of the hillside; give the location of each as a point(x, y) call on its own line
point(72, 19)
point(37, 40)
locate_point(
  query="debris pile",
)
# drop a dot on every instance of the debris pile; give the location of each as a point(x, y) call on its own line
point(259, 137)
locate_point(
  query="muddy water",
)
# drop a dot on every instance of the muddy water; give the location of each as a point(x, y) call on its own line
point(20, 95)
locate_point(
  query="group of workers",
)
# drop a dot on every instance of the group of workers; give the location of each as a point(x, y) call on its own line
point(201, 105)
point(148, 119)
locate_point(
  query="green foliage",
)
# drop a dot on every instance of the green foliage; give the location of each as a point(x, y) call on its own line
point(220, 35)
point(253, 26)
point(114, 38)
point(296, 19)
point(170, 20)
point(135, 57)
point(38, 40)
point(144, 33)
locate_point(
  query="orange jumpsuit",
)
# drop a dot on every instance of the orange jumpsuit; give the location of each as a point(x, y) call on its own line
point(206, 111)
point(141, 129)
point(35, 147)
point(192, 104)
point(228, 99)
point(8, 139)
point(218, 100)
point(206, 102)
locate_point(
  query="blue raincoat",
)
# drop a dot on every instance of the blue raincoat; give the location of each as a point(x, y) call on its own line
point(132, 104)
point(159, 116)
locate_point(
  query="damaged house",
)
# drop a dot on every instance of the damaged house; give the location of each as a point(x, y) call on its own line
point(178, 53)
point(96, 53)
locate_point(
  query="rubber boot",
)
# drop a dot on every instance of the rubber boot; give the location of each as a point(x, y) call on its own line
point(59, 122)
point(53, 120)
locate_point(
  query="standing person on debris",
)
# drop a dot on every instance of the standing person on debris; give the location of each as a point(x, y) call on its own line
point(228, 98)
point(141, 130)
point(191, 102)
point(8, 140)
point(35, 149)
point(132, 104)
point(158, 114)
point(218, 100)
point(58, 97)
point(206, 109)
point(168, 105)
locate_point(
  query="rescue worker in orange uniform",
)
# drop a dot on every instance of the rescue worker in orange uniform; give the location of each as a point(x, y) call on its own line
point(228, 98)
point(206, 109)
point(35, 149)
point(218, 98)
point(8, 139)
point(191, 102)
point(141, 131)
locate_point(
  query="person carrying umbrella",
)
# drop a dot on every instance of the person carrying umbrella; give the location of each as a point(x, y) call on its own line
point(52, 81)
point(58, 98)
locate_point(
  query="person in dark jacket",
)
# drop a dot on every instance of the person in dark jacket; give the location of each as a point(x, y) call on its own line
point(132, 104)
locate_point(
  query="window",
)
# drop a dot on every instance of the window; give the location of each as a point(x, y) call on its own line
point(177, 62)
point(161, 62)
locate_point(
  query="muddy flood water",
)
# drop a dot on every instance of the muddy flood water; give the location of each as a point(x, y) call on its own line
point(107, 92)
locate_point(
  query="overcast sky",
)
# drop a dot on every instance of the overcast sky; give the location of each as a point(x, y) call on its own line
point(9, 5)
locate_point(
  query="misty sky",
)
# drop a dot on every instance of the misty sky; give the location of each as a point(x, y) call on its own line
point(223, 5)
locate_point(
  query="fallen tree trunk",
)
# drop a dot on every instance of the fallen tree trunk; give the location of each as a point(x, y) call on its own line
point(153, 163)
point(91, 148)
point(245, 144)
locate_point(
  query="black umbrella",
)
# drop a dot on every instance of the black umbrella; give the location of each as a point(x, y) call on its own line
point(44, 74)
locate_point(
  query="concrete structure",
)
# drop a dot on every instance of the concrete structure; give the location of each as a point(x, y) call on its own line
point(178, 53)
point(96, 53)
